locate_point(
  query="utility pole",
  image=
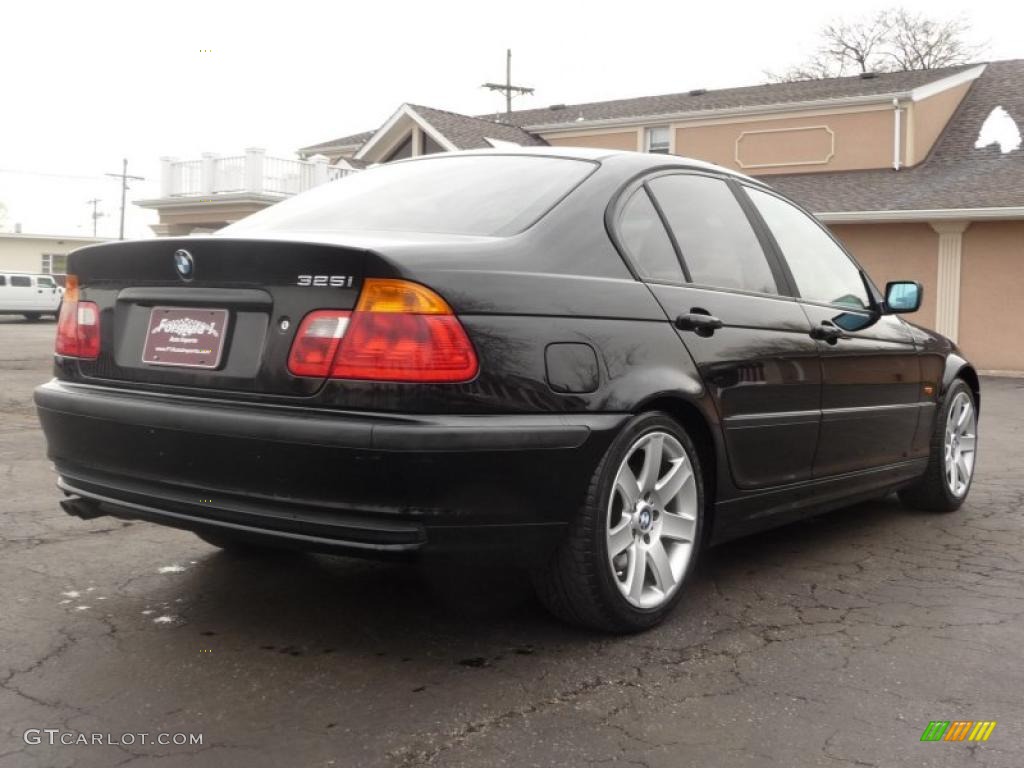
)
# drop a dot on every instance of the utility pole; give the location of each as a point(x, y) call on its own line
point(123, 176)
point(95, 214)
point(507, 88)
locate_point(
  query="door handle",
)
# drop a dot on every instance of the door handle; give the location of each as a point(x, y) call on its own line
point(827, 332)
point(700, 321)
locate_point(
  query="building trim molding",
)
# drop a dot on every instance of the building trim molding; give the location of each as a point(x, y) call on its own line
point(922, 215)
point(795, 129)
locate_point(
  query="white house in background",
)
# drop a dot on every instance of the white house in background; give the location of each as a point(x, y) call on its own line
point(203, 195)
point(39, 253)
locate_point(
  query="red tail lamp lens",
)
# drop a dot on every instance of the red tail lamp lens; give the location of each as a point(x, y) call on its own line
point(399, 331)
point(78, 327)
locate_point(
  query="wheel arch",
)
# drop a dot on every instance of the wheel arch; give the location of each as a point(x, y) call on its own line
point(699, 427)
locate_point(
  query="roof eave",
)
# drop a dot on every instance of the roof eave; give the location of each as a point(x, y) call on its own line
point(1005, 213)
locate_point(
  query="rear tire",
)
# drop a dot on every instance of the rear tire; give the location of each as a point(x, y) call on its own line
point(634, 542)
point(945, 484)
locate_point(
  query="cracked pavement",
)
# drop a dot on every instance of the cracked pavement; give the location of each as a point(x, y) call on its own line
point(832, 642)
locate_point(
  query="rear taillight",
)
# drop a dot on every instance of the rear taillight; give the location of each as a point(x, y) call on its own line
point(399, 331)
point(78, 327)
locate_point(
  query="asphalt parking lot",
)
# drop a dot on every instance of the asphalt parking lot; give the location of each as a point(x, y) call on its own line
point(832, 642)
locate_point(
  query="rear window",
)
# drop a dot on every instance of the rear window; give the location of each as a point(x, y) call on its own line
point(482, 195)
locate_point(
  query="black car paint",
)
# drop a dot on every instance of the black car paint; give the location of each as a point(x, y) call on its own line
point(759, 383)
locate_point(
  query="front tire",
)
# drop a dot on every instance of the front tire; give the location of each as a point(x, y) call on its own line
point(946, 482)
point(634, 542)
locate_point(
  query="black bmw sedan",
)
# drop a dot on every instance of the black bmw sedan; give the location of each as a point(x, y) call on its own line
point(600, 362)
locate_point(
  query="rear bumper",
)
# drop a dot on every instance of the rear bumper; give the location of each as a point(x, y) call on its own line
point(324, 480)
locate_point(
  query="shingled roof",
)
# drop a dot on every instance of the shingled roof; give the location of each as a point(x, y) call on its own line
point(471, 132)
point(880, 84)
point(955, 175)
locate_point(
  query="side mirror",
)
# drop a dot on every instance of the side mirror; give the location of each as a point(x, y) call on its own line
point(903, 296)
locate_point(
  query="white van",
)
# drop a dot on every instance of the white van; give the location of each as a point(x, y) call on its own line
point(30, 295)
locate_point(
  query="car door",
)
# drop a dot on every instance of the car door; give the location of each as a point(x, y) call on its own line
point(871, 377)
point(691, 240)
point(21, 292)
point(47, 297)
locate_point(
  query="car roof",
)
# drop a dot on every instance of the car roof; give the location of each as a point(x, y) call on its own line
point(640, 160)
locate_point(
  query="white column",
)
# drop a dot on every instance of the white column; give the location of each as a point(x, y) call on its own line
point(254, 157)
point(947, 298)
point(167, 180)
point(319, 175)
point(206, 166)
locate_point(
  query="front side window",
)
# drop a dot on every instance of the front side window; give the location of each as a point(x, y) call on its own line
point(464, 195)
point(21, 281)
point(718, 244)
point(45, 282)
point(822, 270)
point(646, 240)
point(658, 140)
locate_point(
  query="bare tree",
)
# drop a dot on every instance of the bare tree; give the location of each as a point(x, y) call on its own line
point(889, 41)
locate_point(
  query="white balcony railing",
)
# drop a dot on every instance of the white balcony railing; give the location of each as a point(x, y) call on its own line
point(254, 172)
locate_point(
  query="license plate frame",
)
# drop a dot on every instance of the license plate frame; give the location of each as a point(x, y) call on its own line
point(186, 337)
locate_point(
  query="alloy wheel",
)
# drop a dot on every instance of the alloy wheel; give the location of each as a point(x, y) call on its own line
point(961, 440)
point(652, 520)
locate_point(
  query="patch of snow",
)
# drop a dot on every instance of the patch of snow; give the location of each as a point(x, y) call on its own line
point(999, 128)
point(171, 569)
point(64, 602)
point(91, 589)
point(72, 593)
point(148, 611)
point(164, 620)
point(81, 607)
point(101, 598)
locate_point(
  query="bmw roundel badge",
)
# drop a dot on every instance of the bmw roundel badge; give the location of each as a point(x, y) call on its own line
point(184, 264)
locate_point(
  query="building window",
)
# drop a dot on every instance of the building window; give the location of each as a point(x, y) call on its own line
point(54, 263)
point(658, 140)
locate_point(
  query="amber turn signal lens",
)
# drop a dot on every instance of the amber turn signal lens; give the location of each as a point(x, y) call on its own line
point(384, 295)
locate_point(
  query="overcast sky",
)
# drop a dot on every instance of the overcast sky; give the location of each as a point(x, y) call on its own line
point(85, 84)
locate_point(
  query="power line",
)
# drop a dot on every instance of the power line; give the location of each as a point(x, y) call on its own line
point(123, 175)
point(95, 214)
point(507, 88)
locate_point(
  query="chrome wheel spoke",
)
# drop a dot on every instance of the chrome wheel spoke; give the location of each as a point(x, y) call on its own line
point(967, 443)
point(620, 538)
point(677, 527)
point(636, 573)
point(678, 475)
point(661, 567)
point(627, 485)
point(652, 462)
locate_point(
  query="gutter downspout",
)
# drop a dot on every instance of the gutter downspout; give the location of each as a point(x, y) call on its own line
point(896, 137)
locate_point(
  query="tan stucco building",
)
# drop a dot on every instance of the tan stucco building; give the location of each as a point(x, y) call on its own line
point(33, 254)
point(902, 166)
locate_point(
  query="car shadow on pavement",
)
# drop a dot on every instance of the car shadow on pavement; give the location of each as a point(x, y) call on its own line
point(316, 601)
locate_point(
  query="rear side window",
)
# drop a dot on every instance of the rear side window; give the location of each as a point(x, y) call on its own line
point(646, 240)
point(822, 270)
point(718, 244)
point(20, 281)
point(481, 195)
point(3, 279)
